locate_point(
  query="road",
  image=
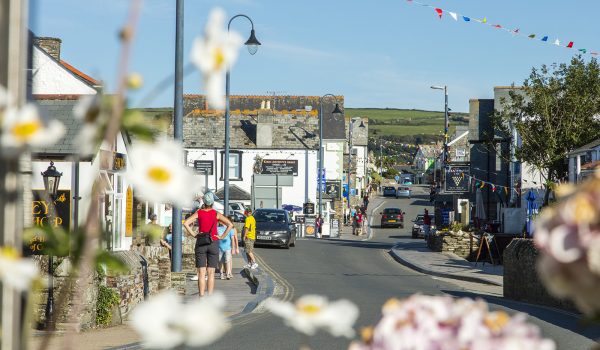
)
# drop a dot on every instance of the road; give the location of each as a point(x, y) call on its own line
point(364, 272)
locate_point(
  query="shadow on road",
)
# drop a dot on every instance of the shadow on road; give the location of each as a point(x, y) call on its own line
point(421, 202)
point(556, 317)
point(360, 244)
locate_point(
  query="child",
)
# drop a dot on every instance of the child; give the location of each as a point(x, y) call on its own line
point(227, 246)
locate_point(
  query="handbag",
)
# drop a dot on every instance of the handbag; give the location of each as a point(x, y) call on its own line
point(204, 238)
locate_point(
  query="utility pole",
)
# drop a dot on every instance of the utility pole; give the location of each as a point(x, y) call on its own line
point(380, 157)
point(14, 45)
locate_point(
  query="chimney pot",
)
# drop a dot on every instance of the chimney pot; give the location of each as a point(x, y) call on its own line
point(50, 45)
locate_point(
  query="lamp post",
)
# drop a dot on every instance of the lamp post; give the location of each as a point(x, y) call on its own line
point(445, 151)
point(51, 180)
point(320, 186)
point(350, 127)
point(252, 44)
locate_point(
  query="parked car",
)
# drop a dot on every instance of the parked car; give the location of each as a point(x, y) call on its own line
point(407, 182)
point(237, 217)
point(237, 207)
point(417, 229)
point(403, 192)
point(392, 217)
point(274, 227)
point(389, 191)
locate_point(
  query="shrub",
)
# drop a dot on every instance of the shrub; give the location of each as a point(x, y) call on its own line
point(107, 299)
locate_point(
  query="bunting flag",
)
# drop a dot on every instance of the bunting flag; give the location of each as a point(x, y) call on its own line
point(515, 32)
point(482, 184)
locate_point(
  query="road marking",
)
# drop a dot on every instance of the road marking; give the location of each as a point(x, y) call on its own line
point(370, 233)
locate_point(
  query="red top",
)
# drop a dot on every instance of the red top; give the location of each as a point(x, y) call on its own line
point(426, 219)
point(207, 222)
point(359, 217)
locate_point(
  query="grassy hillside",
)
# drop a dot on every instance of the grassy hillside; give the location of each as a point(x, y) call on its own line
point(406, 122)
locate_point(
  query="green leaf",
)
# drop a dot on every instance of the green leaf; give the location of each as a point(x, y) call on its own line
point(111, 263)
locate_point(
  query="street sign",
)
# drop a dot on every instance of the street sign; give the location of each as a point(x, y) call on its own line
point(397, 178)
point(321, 184)
point(457, 179)
point(204, 167)
point(335, 228)
point(308, 208)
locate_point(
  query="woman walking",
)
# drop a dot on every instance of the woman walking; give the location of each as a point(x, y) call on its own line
point(207, 241)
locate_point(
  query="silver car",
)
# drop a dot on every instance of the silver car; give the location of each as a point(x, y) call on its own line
point(403, 192)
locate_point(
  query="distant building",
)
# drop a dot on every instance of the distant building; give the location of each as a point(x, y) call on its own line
point(583, 161)
point(424, 161)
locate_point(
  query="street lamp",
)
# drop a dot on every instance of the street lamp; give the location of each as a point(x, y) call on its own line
point(445, 152)
point(252, 44)
point(321, 174)
point(51, 181)
point(350, 127)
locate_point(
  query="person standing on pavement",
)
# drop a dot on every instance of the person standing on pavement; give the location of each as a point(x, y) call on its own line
point(426, 224)
point(227, 247)
point(207, 256)
point(366, 200)
point(358, 219)
point(319, 224)
point(249, 234)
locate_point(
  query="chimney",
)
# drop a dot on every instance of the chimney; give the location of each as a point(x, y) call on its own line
point(50, 45)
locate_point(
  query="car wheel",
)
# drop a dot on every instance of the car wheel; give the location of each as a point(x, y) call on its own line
point(415, 235)
point(286, 246)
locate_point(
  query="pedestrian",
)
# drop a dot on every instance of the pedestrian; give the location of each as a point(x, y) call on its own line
point(366, 200)
point(249, 234)
point(319, 224)
point(167, 238)
point(358, 220)
point(227, 247)
point(207, 242)
point(426, 224)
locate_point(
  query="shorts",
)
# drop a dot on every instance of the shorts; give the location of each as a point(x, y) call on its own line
point(207, 255)
point(249, 245)
point(224, 256)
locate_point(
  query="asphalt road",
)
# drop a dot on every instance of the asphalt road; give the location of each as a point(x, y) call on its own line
point(364, 272)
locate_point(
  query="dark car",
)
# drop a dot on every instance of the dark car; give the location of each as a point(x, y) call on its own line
point(275, 227)
point(389, 191)
point(392, 217)
point(417, 229)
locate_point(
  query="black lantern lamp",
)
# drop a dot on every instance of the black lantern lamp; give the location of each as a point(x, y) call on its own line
point(252, 43)
point(51, 180)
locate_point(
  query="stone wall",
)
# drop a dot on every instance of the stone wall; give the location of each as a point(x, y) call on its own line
point(460, 243)
point(87, 318)
point(521, 280)
point(129, 285)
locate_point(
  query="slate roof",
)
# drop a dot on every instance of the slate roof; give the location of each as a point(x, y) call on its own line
point(60, 108)
point(235, 193)
point(586, 147)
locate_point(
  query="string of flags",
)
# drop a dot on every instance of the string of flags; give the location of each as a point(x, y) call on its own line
point(515, 32)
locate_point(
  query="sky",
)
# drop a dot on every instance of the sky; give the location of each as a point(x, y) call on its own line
point(384, 53)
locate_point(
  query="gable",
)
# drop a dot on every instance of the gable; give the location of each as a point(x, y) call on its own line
point(49, 77)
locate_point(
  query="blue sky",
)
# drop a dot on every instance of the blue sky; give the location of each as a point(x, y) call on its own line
point(384, 53)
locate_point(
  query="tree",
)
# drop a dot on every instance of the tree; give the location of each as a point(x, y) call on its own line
point(555, 112)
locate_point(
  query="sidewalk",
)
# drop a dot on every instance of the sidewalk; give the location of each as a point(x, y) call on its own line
point(242, 297)
point(414, 254)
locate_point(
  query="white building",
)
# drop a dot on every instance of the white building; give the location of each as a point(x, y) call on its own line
point(56, 87)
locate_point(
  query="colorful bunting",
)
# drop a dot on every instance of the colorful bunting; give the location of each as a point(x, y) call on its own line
point(514, 32)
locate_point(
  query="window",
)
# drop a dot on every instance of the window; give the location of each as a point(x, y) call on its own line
point(235, 165)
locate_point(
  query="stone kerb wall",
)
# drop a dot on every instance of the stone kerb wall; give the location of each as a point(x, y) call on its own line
point(130, 285)
point(521, 280)
point(460, 243)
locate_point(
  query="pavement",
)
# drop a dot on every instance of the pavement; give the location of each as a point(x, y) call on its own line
point(243, 292)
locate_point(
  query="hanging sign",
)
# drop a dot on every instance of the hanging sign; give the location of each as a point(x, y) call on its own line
point(457, 179)
point(40, 212)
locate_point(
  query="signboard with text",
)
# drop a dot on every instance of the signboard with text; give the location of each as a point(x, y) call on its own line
point(311, 225)
point(129, 213)
point(308, 208)
point(280, 166)
point(41, 214)
point(204, 167)
point(457, 179)
point(333, 188)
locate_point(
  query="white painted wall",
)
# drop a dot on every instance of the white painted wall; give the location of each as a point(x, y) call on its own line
point(290, 195)
point(51, 78)
point(333, 159)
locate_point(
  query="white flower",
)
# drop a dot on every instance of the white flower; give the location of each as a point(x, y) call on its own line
point(214, 54)
point(3, 97)
point(15, 271)
point(158, 175)
point(87, 110)
point(563, 244)
point(313, 312)
point(23, 127)
point(165, 322)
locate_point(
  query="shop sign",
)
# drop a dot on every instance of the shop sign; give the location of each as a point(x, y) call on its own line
point(457, 179)
point(129, 213)
point(204, 167)
point(311, 225)
point(40, 212)
point(119, 161)
point(308, 208)
point(280, 166)
point(333, 188)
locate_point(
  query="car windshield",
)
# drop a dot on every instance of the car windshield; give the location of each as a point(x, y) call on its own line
point(270, 216)
point(391, 211)
point(389, 188)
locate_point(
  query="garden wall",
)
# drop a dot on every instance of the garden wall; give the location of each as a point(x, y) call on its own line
point(463, 244)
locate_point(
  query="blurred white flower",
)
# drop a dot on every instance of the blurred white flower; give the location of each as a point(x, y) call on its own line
point(213, 54)
point(441, 322)
point(3, 97)
point(15, 271)
point(158, 175)
point(165, 322)
point(23, 127)
point(87, 110)
point(313, 312)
